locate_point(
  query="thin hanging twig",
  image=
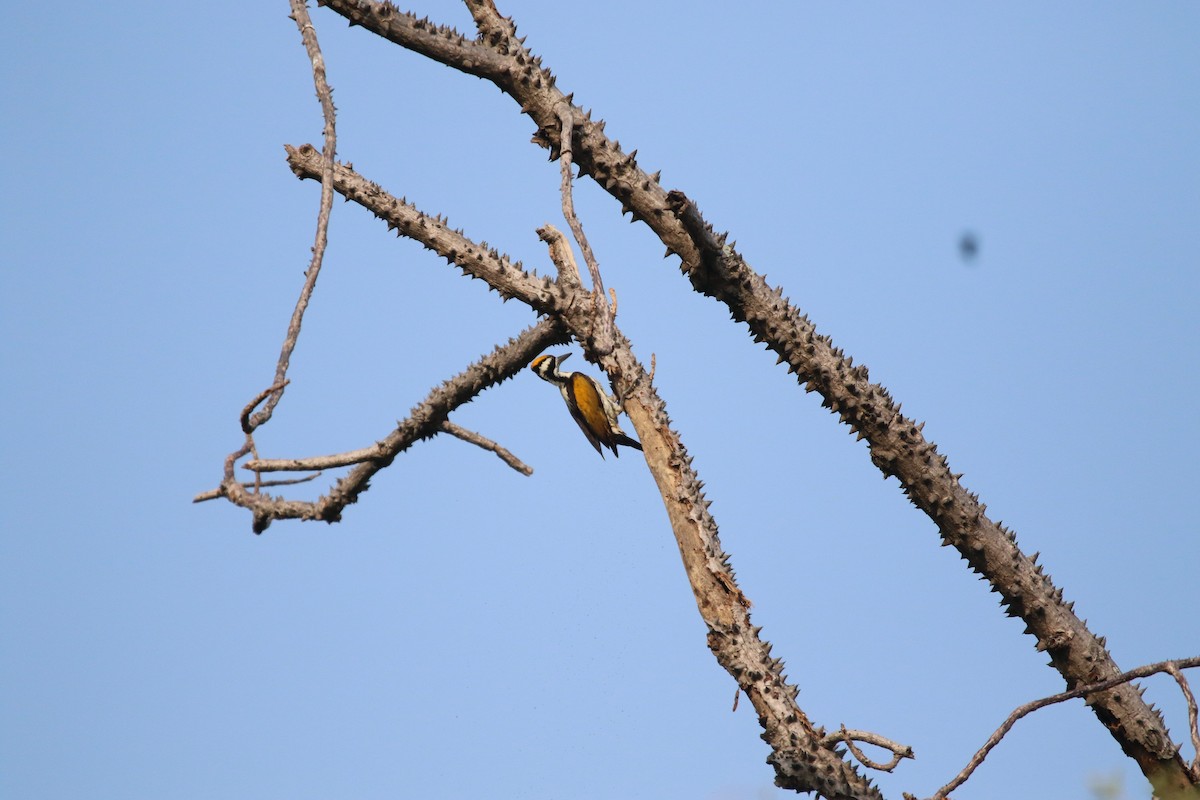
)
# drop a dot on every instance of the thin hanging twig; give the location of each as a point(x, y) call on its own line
point(329, 151)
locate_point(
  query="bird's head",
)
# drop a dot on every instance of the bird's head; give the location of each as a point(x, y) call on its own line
point(546, 367)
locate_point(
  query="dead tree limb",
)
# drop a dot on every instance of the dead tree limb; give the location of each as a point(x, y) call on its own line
point(423, 422)
point(801, 758)
point(896, 444)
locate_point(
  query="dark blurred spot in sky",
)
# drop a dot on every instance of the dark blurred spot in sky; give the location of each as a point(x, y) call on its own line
point(968, 247)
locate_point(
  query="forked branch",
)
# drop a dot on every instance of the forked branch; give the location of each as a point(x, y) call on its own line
point(803, 756)
point(800, 757)
point(896, 443)
point(426, 420)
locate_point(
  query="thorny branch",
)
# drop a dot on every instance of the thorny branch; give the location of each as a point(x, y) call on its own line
point(896, 443)
point(804, 758)
point(424, 421)
point(797, 750)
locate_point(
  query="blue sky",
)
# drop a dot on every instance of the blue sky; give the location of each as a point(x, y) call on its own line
point(467, 632)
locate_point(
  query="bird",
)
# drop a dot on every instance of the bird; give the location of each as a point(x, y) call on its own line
point(590, 406)
point(968, 246)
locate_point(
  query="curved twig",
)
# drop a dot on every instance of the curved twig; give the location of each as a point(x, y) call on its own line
point(1030, 707)
point(1193, 716)
point(849, 736)
point(244, 417)
point(321, 239)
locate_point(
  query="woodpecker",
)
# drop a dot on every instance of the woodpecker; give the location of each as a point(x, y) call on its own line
point(590, 406)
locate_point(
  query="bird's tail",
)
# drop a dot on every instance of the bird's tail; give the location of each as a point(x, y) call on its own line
point(621, 438)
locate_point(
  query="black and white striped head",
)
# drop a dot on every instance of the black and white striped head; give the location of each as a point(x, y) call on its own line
point(546, 367)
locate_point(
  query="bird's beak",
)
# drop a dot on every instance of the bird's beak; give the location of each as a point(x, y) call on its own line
point(563, 358)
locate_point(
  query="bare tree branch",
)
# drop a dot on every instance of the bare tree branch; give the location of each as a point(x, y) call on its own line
point(1174, 667)
point(476, 260)
point(487, 444)
point(604, 315)
point(325, 96)
point(849, 737)
point(423, 422)
point(213, 494)
point(803, 756)
point(800, 759)
point(561, 256)
point(332, 461)
point(1124, 678)
point(244, 418)
point(896, 443)
point(375, 451)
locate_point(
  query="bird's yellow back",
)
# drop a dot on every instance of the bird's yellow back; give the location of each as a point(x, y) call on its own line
point(592, 416)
